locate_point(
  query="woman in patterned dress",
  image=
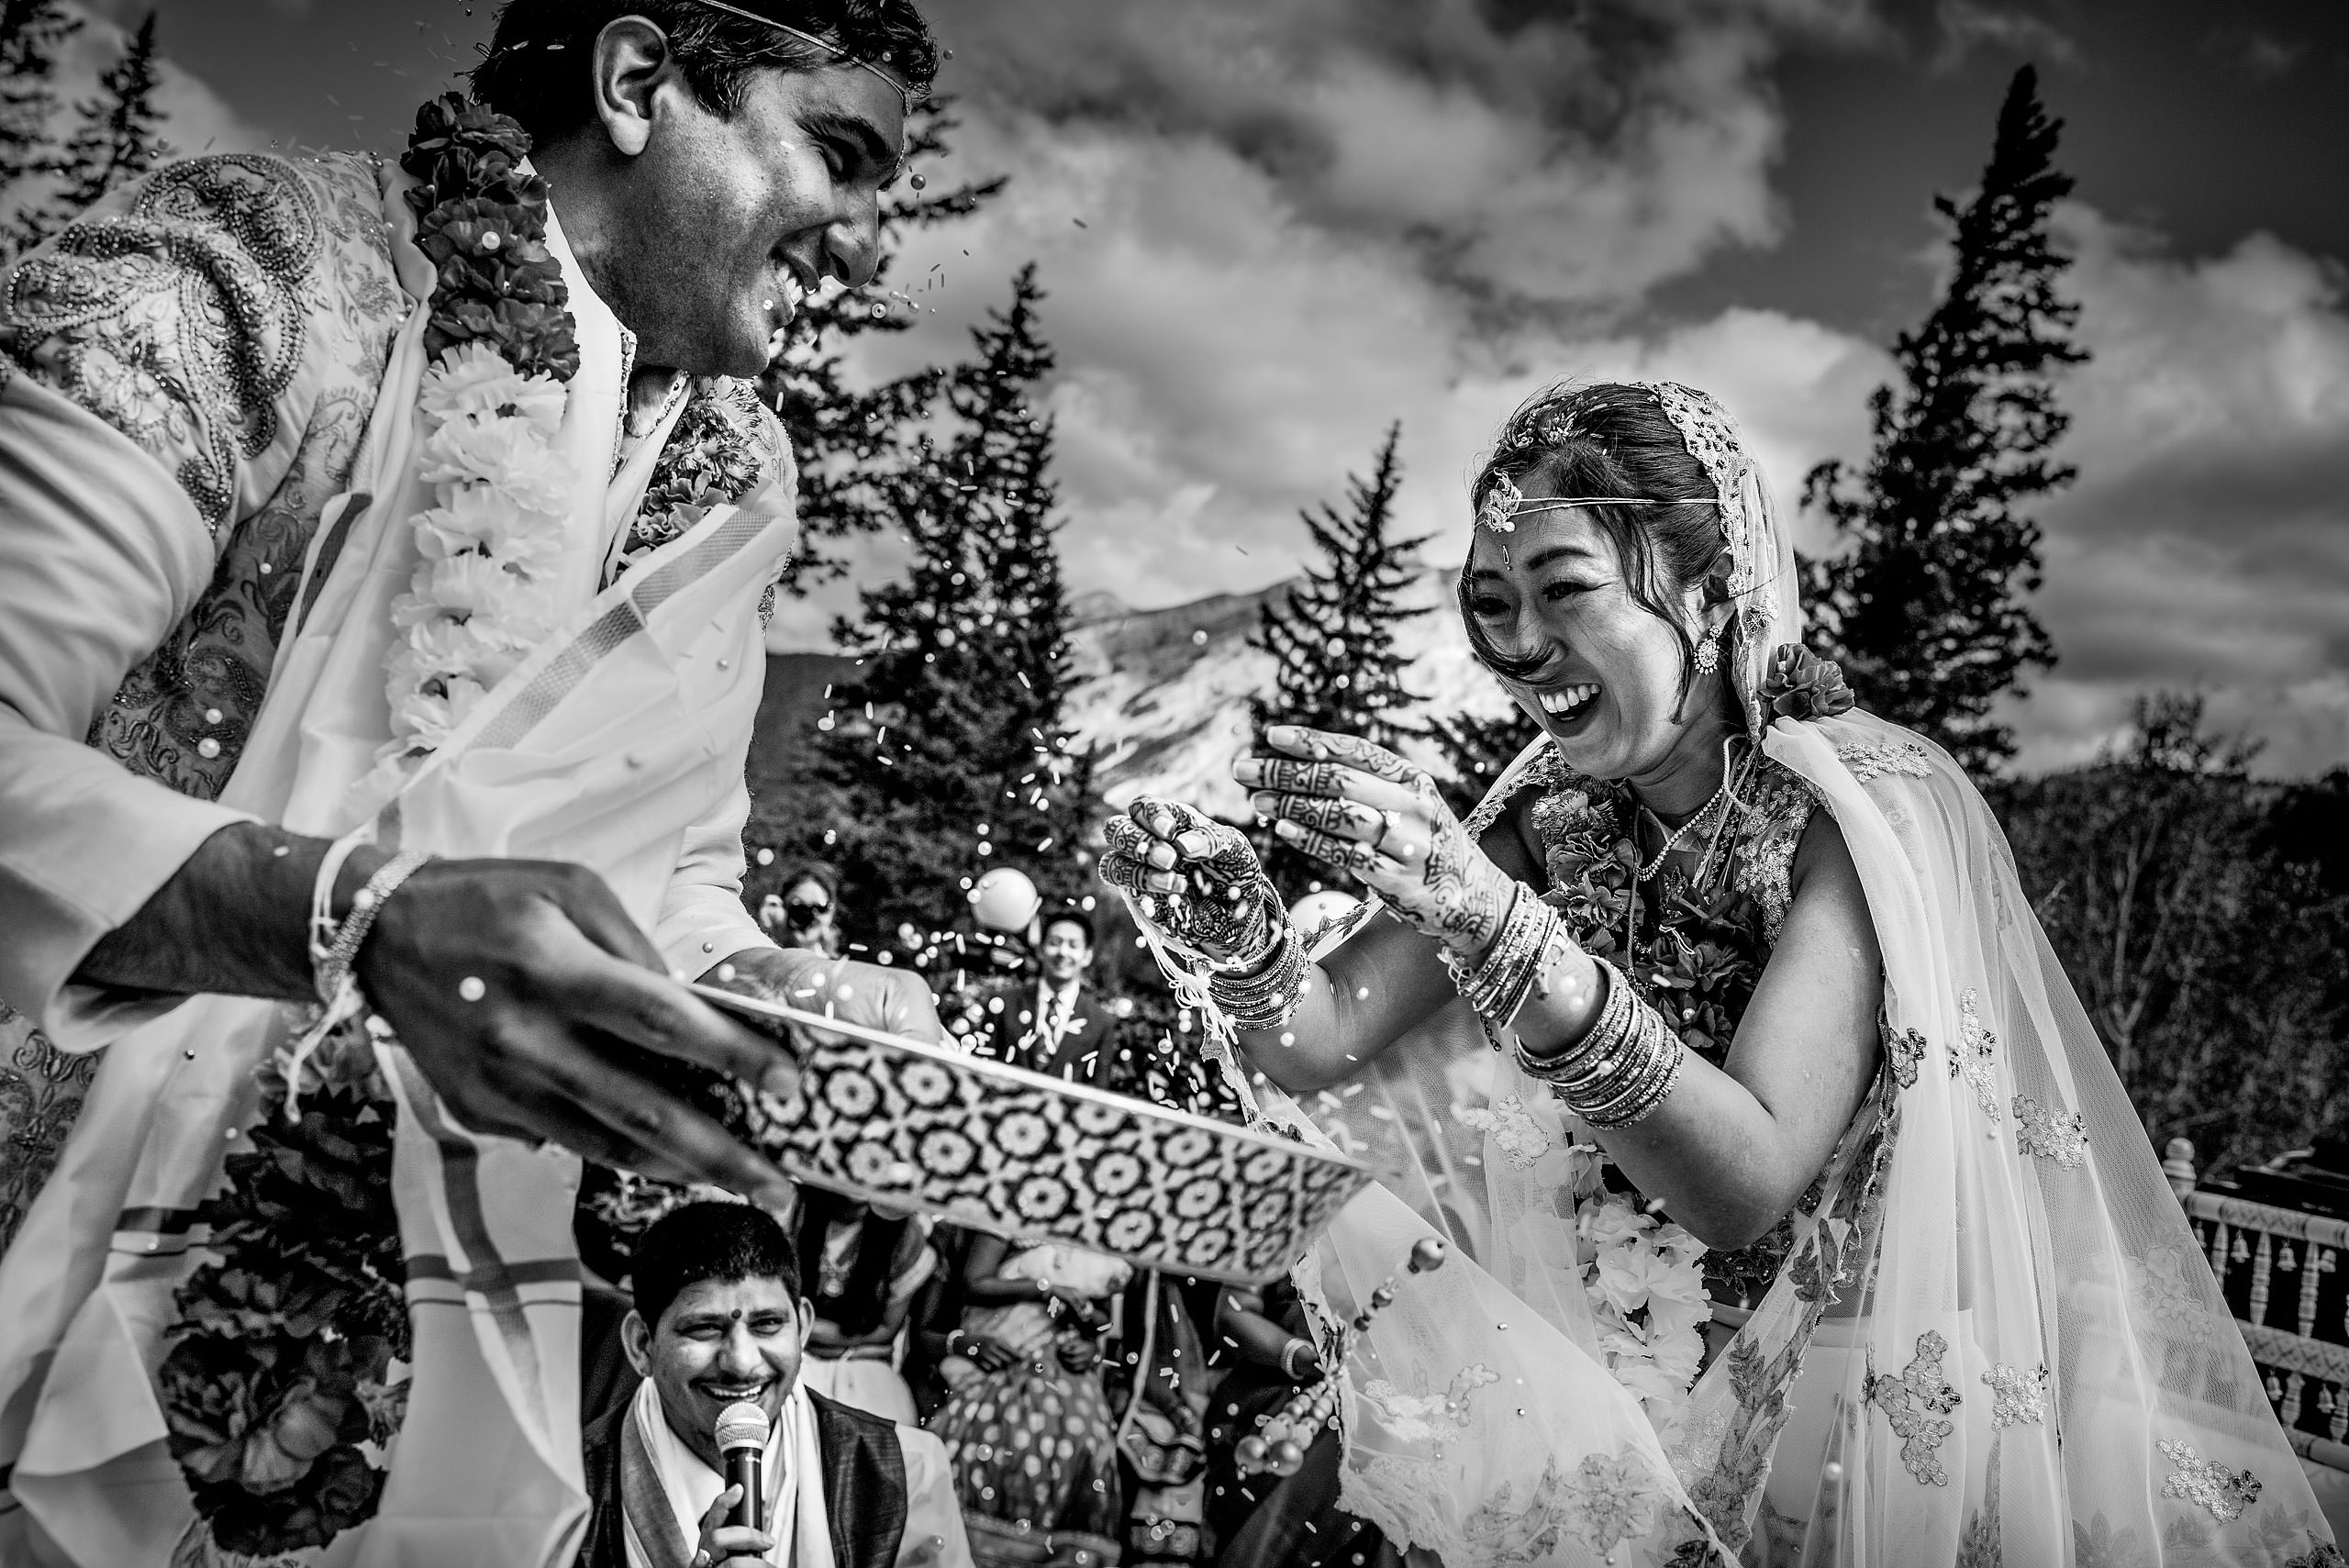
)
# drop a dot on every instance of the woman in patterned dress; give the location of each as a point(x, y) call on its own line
point(1784, 1117)
point(1025, 1423)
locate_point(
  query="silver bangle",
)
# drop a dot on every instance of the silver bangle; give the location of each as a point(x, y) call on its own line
point(331, 969)
point(1267, 997)
point(1291, 1348)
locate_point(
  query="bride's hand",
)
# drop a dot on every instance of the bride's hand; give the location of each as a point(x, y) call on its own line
point(1366, 810)
point(1193, 878)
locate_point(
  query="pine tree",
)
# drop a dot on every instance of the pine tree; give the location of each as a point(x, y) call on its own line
point(1476, 750)
point(31, 34)
point(1335, 664)
point(1923, 599)
point(118, 141)
point(851, 444)
point(945, 756)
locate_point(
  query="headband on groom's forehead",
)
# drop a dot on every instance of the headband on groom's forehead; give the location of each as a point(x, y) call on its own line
point(750, 13)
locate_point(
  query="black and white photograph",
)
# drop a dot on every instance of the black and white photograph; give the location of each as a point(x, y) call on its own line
point(1152, 783)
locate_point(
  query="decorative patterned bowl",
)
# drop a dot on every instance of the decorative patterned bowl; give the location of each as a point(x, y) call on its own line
point(899, 1122)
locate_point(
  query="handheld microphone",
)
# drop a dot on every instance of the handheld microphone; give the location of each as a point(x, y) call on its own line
point(742, 1458)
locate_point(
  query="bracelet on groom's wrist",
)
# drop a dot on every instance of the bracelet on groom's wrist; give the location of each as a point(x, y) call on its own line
point(334, 944)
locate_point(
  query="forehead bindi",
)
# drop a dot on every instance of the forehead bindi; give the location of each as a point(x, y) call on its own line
point(724, 1302)
point(1543, 541)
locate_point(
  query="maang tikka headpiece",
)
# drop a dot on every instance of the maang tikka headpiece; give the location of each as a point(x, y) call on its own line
point(1704, 428)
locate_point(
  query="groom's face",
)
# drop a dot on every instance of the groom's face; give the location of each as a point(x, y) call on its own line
point(730, 220)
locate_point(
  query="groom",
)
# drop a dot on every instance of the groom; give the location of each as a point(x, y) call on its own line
point(215, 336)
point(193, 379)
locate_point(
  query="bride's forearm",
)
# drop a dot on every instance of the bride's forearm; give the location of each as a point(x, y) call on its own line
point(1384, 982)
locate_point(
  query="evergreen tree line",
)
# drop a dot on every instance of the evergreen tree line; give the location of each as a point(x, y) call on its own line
point(47, 179)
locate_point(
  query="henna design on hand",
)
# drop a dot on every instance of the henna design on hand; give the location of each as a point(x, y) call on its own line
point(1221, 904)
point(1456, 894)
point(1356, 752)
point(1338, 817)
point(1470, 894)
point(1289, 777)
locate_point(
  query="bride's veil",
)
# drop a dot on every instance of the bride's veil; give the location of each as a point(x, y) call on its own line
point(2025, 1359)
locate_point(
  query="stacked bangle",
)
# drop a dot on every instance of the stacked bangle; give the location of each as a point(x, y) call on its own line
point(1625, 1066)
point(1264, 996)
point(1498, 987)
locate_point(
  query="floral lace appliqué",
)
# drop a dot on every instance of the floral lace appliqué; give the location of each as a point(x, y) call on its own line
point(2162, 1289)
point(1512, 1127)
point(2207, 1484)
point(1904, 1050)
point(1917, 1403)
point(1413, 1417)
point(2051, 1133)
point(1977, 1051)
point(1607, 1501)
point(1870, 761)
point(1613, 1500)
point(1779, 810)
point(2017, 1397)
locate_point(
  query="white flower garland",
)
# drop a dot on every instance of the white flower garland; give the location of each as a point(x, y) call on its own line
point(1633, 1261)
point(1630, 1261)
point(482, 596)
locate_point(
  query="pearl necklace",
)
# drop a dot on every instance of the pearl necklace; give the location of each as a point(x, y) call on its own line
point(1671, 842)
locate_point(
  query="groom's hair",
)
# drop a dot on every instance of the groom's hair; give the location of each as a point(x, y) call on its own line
point(698, 1241)
point(537, 67)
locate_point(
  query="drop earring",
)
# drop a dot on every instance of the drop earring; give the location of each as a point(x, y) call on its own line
point(1708, 653)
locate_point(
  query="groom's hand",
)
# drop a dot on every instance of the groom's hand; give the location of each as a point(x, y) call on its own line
point(541, 1046)
point(897, 1000)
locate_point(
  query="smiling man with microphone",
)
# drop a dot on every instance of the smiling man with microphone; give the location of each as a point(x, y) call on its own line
point(722, 1455)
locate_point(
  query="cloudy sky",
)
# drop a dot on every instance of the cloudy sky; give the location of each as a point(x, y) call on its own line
point(1268, 228)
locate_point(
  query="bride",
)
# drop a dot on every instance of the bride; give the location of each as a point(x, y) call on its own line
point(1805, 1220)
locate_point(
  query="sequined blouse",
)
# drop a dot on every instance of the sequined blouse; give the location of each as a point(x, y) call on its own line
point(1741, 908)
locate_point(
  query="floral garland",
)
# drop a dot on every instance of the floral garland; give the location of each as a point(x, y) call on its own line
point(490, 405)
point(1649, 1284)
point(285, 1384)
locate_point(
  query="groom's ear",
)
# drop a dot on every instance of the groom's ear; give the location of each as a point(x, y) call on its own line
point(633, 63)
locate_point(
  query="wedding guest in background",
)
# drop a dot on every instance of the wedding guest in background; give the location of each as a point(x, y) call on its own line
point(1261, 1519)
point(1026, 1426)
point(862, 1268)
point(1058, 1024)
point(810, 912)
point(719, 1320)
point(1158, 1381)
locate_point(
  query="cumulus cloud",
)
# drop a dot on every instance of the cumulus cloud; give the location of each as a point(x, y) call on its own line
point(2207, 543)
point(1968, 25)
point(1269, 231)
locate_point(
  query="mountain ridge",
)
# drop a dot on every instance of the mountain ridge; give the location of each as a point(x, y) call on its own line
point(1163, 694)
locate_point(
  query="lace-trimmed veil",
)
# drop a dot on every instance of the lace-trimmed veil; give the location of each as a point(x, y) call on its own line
point(1999, 1259)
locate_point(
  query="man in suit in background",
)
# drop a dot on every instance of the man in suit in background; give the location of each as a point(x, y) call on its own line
point(1057, 1023)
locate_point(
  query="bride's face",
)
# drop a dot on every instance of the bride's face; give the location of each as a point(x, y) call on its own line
point(1610, 689)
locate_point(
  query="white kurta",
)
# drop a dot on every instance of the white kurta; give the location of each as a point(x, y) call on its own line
point(618, 744)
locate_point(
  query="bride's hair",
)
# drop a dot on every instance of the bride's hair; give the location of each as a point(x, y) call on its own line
point(1609, 438)
point(536, 70)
